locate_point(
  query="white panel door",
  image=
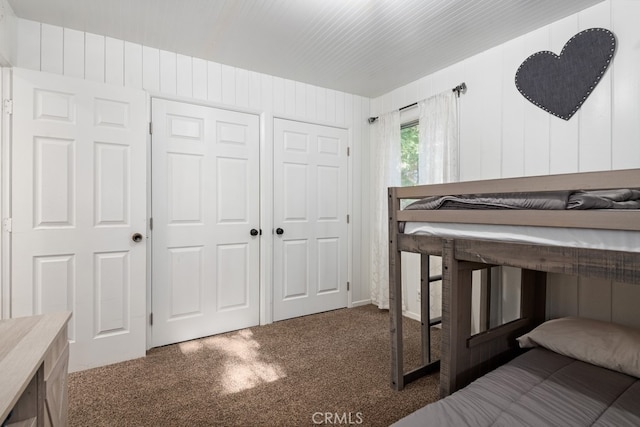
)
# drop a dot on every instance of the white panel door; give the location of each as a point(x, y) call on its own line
point(310, 219)
point(205, 202)
point(78, 196)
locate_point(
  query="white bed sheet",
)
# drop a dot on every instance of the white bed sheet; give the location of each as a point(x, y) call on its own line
point(617, 240)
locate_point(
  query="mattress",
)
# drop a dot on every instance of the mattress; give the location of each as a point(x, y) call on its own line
point(618, 240)
point(539, 387)
point(541, 200)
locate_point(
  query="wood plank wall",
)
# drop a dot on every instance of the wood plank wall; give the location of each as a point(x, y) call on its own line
point(93, 57)
point(503, 135)
point(7, 30)
point(507, 134)
point(7, 56)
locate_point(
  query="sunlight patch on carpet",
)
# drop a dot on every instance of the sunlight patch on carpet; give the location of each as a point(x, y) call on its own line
point(244, 366)
point(190, 347)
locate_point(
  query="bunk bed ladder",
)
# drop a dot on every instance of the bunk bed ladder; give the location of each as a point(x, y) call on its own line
point(398, 377)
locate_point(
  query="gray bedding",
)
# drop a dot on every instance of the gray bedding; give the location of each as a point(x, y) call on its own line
point(550, 200)
point(539, 388)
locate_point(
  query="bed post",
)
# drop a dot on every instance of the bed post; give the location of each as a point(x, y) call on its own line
point(425, 308)
point(395, 296)
point(456, 325)
point(449, 278)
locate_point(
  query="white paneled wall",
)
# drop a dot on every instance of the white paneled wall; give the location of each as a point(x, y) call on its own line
point(7, 31)
point(504, 135)
point(103, 59)
point(93, 57)
point(4, 202)
point(8, 23)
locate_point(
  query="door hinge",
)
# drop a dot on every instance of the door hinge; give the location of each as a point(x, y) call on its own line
point(151, 319)
point(8, 106)
point(8, 225)
point(150, 128)
point(348, 286)
point(348, 218)
point(348, 151)
point(150, 223)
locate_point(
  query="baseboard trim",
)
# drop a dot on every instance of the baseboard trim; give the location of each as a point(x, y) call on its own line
point(411, 315)
point(360, 303)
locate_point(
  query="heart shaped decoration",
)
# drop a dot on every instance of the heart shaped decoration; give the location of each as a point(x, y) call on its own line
point(559, 84)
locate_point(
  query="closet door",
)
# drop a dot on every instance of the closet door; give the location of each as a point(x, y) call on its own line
point(205, 203)
point(310, 219)
point(78, 198)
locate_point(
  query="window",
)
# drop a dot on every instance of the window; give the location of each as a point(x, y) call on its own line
point(409, 154)
point(409, 174)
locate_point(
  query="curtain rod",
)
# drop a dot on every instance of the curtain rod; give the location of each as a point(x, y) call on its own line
point(461, 88)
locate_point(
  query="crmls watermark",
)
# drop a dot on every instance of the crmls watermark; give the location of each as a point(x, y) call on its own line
point(336, 418)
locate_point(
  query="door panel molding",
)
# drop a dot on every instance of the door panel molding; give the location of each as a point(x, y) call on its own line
point(205, 199)
point(78, 195)
point(310, 261)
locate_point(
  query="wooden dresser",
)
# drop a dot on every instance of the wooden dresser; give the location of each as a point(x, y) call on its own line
point(34, 356)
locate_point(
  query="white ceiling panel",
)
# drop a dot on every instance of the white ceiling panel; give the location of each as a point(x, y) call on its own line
point(365, 47)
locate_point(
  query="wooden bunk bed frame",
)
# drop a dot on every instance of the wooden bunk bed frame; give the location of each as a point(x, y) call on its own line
point(465, 357)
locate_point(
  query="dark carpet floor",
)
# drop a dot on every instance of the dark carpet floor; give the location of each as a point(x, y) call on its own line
point(327, 368)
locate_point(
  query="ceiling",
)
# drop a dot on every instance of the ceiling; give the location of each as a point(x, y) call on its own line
point(364, 47)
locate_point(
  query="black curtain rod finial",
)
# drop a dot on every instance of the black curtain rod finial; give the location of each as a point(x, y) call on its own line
point(461, 88)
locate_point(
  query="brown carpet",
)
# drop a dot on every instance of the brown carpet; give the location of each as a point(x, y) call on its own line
point(289, 373)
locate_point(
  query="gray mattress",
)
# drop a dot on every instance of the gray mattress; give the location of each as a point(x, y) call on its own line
point(538, 388)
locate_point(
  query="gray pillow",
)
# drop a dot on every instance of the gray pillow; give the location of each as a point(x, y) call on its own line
point(605, 344)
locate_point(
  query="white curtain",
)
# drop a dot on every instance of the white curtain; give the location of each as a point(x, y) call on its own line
point(438, 143)
point(438, 163)
point(385, 172)
point(438, 155)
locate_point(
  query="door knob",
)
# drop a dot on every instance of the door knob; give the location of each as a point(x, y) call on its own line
point(136, 237)
point(253, 232)
point(279, 231)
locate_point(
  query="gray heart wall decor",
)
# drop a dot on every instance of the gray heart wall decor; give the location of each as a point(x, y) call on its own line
point(559, 84)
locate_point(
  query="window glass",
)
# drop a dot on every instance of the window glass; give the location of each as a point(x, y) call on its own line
point(409, 158)
point(409, 154)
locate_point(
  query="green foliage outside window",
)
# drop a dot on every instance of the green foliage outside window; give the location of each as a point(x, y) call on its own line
point(409, 155)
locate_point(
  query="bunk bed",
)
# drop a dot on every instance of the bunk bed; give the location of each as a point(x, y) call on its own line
point(603, 243)
point(553, 383)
